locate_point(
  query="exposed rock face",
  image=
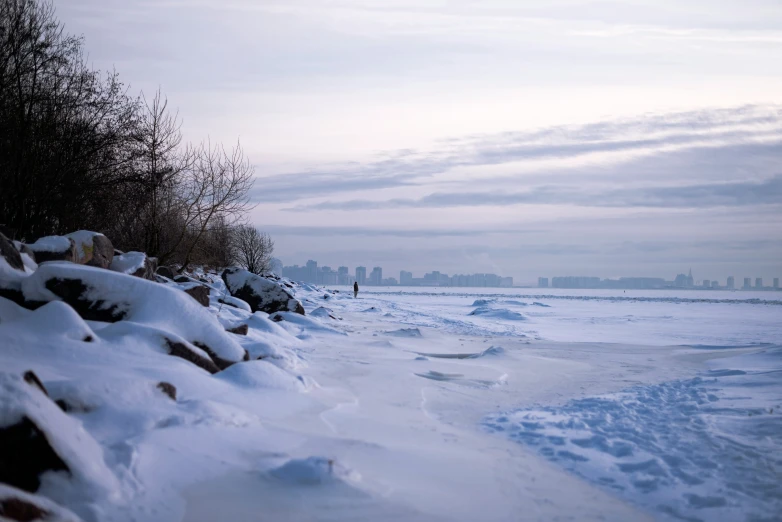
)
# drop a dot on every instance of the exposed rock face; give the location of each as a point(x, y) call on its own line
point(75, 292)
point(167, 388)
point(92, 248)
point(11, 255)
point(186, 352)
point(261, 293)
point(25, 453)
point(165, 271)
point(20, 506)
point(11, 271)
point(241, 329)
point(200, 293)
point(54, 248)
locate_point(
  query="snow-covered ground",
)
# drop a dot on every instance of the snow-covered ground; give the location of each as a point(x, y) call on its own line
point(406, 404)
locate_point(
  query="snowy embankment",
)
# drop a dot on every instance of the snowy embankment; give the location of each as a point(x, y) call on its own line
point(129, 393)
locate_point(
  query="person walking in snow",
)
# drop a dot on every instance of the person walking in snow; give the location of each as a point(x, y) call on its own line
point(355, 289)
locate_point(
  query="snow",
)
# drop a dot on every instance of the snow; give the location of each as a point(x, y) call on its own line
point(595, 407)
point(55, 513)
point(51, 244)
point(89, 479)
point(129, 262)
point(139, 301)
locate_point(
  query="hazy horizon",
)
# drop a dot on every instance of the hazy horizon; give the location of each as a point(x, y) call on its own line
point(608, 139)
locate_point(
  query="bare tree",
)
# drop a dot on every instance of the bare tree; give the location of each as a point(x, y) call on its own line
point(216, 188)
point(254, 249)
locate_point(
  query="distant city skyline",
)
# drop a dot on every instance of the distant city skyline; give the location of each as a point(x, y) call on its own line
point(313, 272)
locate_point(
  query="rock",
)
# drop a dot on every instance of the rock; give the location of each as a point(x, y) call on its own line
point(12, 271)
point(167, 388)
point(106, 296)
point(10, 254)
point(92, 248)
point(242, 329)
point(25, 249)
point(33, 380)
point(200, 293)
point(261, 293)
point(54, 248)
point(136, 264)
point(75, 291)
point(20, 506)
point(186, 352)
point(25, 453)
point(165, 271)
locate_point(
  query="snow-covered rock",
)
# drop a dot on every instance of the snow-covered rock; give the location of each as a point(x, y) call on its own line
point(262, 374)
point(21, 506)
point(92, 248)
point(12, 270)
point(43, 450)
point(261, 293)
point(54, 248)
point(136, 264)
point(103, 295)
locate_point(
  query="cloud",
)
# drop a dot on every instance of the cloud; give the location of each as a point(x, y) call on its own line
point(736, 194)
point(621, 140)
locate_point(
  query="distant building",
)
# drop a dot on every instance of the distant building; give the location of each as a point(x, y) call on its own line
point(390, 281)
point(543, 282)
point(312, 272)
point(405, 278)
point(361, 275)
point(776, 283)
point(376, 277)
point(758, 282)
point(715, 284)
point(706, 283)
point(575, 282)
point(343, 276)
point(747, 283)
point(731, 283)
point(506, 282)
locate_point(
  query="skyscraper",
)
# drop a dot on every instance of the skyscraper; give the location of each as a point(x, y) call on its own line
point(543, 282)
point(747, 283)
point(361, 275)
point(758, 282)
point(343, 276)
point(405, 278)
point(376, 277)
point(312, 271)
point(776, 283)
point(731, 283)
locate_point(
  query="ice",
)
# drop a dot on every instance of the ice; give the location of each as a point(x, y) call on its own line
point(313, 470)
point(498, 313)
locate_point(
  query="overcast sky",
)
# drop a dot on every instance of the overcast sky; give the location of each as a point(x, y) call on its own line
point(525, 138)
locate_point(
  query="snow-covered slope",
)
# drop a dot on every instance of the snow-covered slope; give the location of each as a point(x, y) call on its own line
point(379, 408)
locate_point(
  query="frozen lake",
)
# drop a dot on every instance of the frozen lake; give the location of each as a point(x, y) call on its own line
point(651, 317)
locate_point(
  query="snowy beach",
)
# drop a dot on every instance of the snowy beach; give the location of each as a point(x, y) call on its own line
point(405, 404)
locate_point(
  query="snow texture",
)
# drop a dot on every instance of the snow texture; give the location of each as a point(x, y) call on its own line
point(129, 262)
point(89, 481)
point(139, 301)
point(53, 244)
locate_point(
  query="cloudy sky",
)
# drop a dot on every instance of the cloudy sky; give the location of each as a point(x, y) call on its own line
point(526, 138)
